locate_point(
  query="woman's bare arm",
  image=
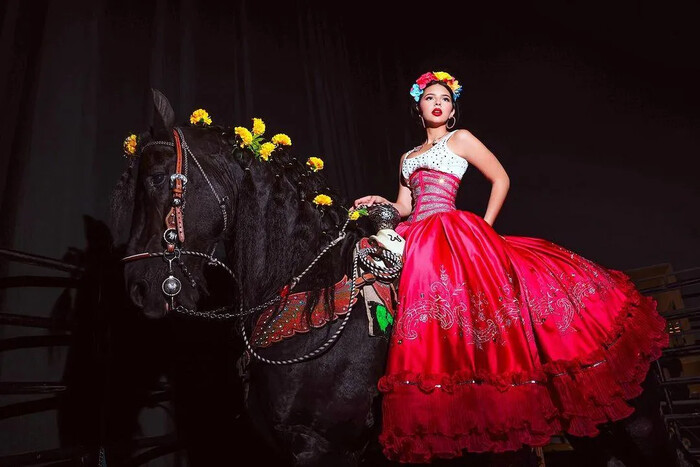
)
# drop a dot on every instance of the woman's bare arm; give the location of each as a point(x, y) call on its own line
point(403, 202)
point(404, 199)
point(466, 145)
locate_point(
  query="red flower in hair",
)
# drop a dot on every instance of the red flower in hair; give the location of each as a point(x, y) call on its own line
point(425, 78)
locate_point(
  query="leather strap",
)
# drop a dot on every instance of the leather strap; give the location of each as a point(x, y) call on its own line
point(174, 219)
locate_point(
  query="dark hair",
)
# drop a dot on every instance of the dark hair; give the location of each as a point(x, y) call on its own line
point(415, 111)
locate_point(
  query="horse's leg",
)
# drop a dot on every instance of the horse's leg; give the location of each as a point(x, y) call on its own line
point(310, 449)
point(322, 410)
point(206, 393)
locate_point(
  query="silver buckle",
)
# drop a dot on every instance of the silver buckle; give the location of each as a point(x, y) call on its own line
point(174, 177)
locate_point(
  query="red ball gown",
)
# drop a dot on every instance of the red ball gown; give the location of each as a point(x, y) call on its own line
point(503, 341)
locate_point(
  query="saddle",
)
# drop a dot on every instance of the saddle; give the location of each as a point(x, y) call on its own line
point(380, 300)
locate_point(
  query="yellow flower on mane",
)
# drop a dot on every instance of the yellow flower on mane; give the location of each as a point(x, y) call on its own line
point(323, 200)
point(258, 126)
point(200, 116)
point(355, 214)
point(266, 149)
point(244, 135)
point(282, 139)
point(130, 144)
point(315, 163)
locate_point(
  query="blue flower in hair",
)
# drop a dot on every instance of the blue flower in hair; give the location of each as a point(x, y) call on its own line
point(416, 92)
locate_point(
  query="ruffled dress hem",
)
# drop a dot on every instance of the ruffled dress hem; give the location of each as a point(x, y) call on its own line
point(482, 412)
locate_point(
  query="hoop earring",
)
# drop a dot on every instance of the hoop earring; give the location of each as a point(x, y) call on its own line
point(421, 120)
point(453, 124)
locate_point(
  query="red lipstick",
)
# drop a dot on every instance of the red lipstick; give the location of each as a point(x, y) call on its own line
point(437, 112)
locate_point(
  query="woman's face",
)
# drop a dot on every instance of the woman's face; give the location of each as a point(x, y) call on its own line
point(435, 105)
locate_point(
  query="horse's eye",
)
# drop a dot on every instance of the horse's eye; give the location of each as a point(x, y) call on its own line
point(157, 179)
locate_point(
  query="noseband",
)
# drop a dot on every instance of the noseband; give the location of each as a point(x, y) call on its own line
point(174, 233)
point(174, 237)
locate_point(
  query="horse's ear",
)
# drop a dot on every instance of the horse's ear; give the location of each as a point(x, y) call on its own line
point(164, 116)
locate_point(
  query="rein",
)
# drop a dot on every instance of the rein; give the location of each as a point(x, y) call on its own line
point(174, 237)
point(174, 234)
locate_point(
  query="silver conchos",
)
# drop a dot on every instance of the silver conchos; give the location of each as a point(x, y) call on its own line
point(171, 286)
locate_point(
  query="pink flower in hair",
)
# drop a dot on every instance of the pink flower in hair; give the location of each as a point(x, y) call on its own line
point(425, 78)
point(442, 76)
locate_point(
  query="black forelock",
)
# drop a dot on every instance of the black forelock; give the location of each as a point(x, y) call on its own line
point(270, 200)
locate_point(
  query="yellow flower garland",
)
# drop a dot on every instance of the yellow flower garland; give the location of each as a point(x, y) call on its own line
point(130, 143)
point(266, 149)
point(323, 200)
point(253, 140)
point(282, 139)
point(200, 116)
point(245, 135)
point(315, 163)
point(355, 214)
point(258, 126)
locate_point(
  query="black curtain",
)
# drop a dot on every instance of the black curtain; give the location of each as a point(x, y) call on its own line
point(592, 111)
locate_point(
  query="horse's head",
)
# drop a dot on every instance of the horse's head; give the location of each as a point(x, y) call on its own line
point(272, 214)
point(173, 202)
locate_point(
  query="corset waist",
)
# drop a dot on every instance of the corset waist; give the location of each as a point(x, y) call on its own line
point(433, 192)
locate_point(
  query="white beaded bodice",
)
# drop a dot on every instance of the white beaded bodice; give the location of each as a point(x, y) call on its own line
point(439, 157)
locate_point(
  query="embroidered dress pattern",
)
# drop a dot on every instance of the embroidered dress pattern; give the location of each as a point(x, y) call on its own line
point(502, 341)
point(447, 304)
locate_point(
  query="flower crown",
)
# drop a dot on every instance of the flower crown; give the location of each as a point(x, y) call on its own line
point(421, 83)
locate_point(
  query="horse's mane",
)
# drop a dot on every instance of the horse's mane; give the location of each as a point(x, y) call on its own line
point(273, 201)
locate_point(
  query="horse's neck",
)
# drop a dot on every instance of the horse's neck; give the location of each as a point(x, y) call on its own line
point(258, 285)
point(273, 239)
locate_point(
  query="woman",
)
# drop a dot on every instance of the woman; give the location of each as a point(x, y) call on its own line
point(499, 341)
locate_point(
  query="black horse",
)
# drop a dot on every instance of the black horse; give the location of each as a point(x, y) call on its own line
point(320, 411)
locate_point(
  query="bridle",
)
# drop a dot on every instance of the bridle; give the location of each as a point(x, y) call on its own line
point(174, 233)
point(174, 237)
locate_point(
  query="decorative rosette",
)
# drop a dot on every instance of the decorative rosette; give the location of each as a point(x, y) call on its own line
point(200, 117)
point(421, 83)
point(130, 145)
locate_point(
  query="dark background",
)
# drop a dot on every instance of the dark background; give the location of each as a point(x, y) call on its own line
point(592, 109)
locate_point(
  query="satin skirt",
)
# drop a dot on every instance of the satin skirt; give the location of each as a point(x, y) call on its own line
point(504, 341)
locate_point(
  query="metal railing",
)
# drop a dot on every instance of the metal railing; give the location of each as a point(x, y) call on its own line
point(680, 409)
point(145, 449)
